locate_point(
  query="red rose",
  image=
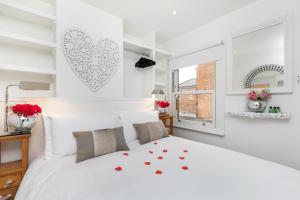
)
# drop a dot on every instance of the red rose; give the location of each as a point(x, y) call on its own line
point(163, 104)
point(26, 110)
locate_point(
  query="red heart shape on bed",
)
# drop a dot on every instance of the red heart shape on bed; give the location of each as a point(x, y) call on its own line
point(118, 168)
point(160, 157)
point(165, 150)
point(181, 158)
point(147, 163)
point(158, 172)
point(185, 167)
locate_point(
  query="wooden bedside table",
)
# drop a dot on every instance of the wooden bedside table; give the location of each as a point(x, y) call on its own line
point(11, 173)
point(164, 119)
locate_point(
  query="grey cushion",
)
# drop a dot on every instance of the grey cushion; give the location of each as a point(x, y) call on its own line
point(99, 142)
point(150, 131)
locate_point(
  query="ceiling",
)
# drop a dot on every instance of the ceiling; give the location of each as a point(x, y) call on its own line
point(143, 16)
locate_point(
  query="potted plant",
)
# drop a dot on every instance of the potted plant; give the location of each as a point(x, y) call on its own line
point(162, 106)
point(257, 100)
point(23, 116)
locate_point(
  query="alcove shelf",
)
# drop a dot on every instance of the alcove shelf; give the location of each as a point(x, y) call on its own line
point(26, 41)
point(140, 83)
point(20, 11)
point(253, 115)
point(142, 48)
point(26, 69)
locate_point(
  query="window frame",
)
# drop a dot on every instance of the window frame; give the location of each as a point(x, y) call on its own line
point(190, 124)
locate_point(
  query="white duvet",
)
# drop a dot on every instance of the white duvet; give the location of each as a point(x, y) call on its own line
point(210, 173)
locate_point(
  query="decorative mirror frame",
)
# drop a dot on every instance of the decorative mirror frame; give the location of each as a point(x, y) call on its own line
point(261, 69)
point(288, 63)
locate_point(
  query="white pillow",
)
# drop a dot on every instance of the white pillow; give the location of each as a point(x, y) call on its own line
point(130, 118)
point(62, 141)
point(48, 143)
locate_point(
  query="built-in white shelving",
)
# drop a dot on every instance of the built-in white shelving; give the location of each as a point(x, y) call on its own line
point(254, 115)
point(137, 47)
point(26, 41)
point(23, 12)
point(142, 48)
point(150, 78)
point(34, 70)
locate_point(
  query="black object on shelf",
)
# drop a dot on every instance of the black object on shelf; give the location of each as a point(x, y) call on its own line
point(144, 62)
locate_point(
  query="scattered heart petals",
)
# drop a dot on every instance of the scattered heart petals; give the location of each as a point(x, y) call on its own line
point(150, 152)
point(147, 163)
point(125, 154)
point(184, 167)
point(181, 158)
point(158, 172)
point(160, 157)
point(118, 168)
point(155, 143)
point(185, 151)
point(165, 150)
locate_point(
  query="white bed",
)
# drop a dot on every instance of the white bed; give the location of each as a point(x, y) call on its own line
point(213, 174)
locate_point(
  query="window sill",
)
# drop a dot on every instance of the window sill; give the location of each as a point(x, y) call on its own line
point(200, 128)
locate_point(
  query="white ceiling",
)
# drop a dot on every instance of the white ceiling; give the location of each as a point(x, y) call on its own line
point(143, 16)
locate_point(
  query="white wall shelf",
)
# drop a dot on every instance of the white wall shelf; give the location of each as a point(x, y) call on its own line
point(136, 46)
point(253, 115)
point(33, 70)
point(26, 13)
point(26, 41)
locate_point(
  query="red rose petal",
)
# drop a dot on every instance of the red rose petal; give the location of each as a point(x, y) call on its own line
point(150, 152)
point(185, 167)
point(181, 158)
point(155, 143)
point(158, 172)
point(165, 150)
point(185, 151)
point(118, 168)
point(147, 163)
point(125, 154)
point(160, 157)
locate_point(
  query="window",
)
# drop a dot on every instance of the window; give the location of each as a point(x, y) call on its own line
point(194, 94)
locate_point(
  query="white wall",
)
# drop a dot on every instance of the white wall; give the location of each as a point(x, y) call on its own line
point(98, 25)
point(273, 140)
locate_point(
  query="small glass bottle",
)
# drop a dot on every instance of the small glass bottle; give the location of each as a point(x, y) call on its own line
point(270, 109)
point(278, 110)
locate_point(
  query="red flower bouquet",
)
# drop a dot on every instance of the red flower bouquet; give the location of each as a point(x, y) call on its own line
point(23, 116)
point(26, 110)
point(163, 104)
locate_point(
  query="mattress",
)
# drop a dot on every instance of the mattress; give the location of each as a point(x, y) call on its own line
point(169, 168)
